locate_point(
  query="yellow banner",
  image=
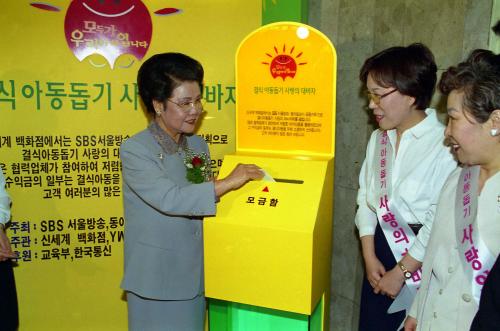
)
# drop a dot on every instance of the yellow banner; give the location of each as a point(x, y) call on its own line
point(68, 99)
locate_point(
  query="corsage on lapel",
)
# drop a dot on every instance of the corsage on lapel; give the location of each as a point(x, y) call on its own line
point(197, 169)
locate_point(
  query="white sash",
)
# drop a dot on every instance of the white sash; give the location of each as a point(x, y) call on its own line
point(397, 232)
point(476, 258)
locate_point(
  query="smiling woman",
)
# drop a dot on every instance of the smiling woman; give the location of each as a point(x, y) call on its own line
point(465, 241)
point(167, 190)
point(405, 167)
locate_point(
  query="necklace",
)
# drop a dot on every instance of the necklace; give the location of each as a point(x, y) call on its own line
point(198, 168)
point(166, 142)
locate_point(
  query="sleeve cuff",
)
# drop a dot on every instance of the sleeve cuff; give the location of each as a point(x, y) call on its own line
point(417, 251)
point(366, 231)
point(206, 204)
point(366, 222)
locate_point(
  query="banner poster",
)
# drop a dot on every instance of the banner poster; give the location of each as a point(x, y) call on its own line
point(68, 99)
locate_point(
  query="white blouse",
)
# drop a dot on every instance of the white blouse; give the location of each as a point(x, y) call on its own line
point(419, 170)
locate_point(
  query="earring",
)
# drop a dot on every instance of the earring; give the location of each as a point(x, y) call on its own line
point(494, 132)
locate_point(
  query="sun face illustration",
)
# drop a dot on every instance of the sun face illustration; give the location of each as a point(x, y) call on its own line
point(284, 64)
point(108, 29)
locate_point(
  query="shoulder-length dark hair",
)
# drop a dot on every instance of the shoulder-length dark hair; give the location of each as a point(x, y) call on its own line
point(411, 70)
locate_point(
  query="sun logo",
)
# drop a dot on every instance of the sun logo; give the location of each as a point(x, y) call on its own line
point(108, 29)
point(283, 65)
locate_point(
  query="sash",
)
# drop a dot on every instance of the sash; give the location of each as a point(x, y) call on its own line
point(397, 232)
point(475, 257)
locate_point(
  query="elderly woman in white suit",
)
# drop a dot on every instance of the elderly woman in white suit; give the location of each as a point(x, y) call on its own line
point(465, 239)
point(167, 189)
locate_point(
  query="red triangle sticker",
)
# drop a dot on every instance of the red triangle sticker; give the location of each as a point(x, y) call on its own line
point(266, 189)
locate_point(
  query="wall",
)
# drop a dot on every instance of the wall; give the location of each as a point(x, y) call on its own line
point(358, 29)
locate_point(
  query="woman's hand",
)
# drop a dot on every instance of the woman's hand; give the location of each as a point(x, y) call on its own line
point(5, 249)
point(240, 175)
point(374, 270)
point(391, 283)
point(410, 324)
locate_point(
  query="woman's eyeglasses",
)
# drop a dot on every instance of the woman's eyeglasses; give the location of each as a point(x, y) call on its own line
point(377, 98)
point(186, 106)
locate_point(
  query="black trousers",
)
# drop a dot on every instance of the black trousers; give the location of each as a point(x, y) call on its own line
point(9, 319)
point(373, 310)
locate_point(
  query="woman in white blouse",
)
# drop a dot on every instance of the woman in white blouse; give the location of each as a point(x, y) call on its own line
point(465, 239)
point(404, 170)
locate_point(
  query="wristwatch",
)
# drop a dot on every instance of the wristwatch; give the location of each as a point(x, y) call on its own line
point(406, 273)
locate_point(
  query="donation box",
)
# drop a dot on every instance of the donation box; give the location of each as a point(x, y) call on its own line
point(268, 249)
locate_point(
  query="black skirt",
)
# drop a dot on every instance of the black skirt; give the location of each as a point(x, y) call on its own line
point(373, 314)
point(488, 315)
point(9, 320)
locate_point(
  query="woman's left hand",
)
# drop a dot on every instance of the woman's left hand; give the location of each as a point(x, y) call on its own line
point(410, 324)
point(5, 249)
point(391, 283)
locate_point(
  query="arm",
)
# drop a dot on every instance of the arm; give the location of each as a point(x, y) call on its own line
point(411, 320)
point(374, 268)
point(394, 279)
point(240, 175)
point(445, 164)
point(147, 179)
point(366, 220)
point(392, 282)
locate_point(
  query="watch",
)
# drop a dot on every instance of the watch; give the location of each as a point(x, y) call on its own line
point(406, 273)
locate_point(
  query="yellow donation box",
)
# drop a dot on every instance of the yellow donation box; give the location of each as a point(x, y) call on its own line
point(268, 250)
